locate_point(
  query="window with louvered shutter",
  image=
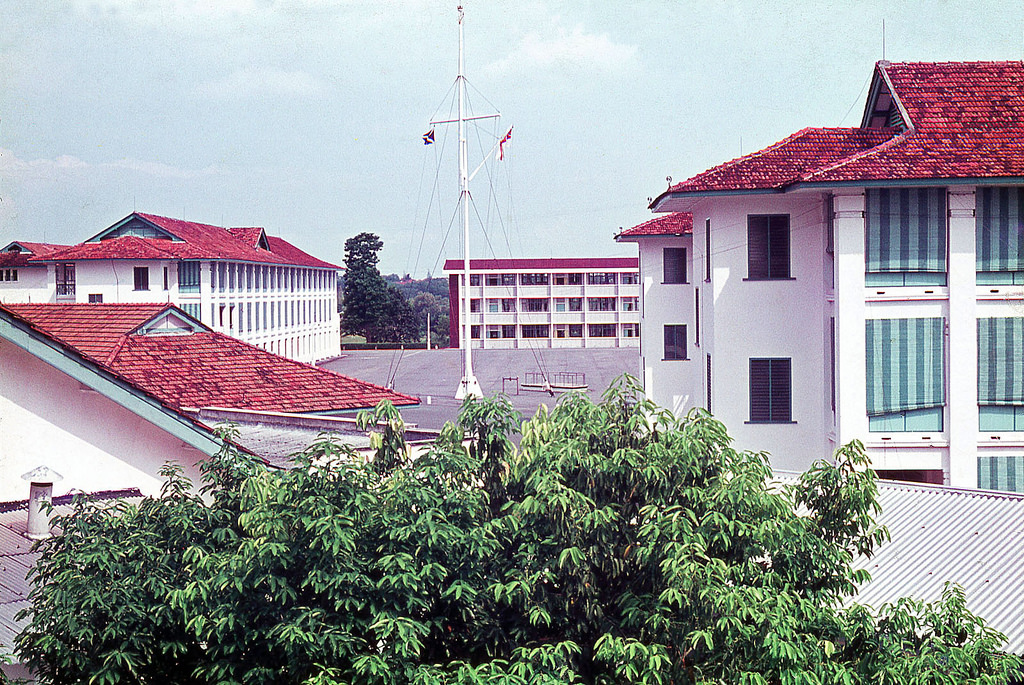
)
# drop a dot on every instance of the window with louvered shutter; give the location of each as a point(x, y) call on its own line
point(770, 390)
point(999, 236)
point(674, 260)
point(675, 341)
point(767, 247)
point(905, 236)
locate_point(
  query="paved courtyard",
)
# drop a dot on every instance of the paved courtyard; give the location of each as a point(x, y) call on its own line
point(434, 375)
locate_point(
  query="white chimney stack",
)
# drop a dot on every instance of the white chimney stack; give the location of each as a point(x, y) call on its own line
point(40, 492)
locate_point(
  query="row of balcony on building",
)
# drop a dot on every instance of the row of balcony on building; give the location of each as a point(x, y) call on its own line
point(508, 305)
point(223, 277)
point(558, 279)
point(539, 331)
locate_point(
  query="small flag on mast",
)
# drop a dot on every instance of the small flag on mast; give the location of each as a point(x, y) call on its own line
point(428, 137)
point(501, 144)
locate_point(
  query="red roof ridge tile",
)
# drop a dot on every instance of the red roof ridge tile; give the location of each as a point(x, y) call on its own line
point(891, 143)
point(753, 155)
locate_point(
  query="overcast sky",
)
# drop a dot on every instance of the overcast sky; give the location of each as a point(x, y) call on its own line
point(306, 116)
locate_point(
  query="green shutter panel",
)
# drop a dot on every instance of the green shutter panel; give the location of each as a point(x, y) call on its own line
point(906, 230)
point(1001, 361)
point(1001, 473)
point(904, 364)
point(999, 229)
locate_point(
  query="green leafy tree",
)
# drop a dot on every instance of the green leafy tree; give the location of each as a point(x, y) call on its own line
point(422, 304)
point(616, 544)
point(371, 307)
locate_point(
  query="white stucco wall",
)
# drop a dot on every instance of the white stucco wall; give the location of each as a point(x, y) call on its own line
point(770, 318)
point(31, 286)
point(675, 384)
point(48, 418)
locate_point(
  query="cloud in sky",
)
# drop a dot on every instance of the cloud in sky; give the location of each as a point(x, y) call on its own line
point(13, 167)
point(249, 82)
point(575, 47)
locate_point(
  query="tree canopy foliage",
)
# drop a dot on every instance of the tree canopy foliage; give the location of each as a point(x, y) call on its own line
point(371, 307)
point(616, 544)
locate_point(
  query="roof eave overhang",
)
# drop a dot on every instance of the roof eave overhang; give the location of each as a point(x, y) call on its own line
point(909, 182)
point(70, 362)
point(659, 203)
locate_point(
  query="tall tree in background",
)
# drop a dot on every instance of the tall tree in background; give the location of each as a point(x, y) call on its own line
point(427, 303)
point(371, 307)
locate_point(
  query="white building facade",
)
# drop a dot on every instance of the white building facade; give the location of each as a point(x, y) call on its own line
point(840, 300)
point(241, 282)
point(542, 303)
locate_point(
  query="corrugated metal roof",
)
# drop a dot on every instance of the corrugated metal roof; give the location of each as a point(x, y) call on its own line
point(938, 534)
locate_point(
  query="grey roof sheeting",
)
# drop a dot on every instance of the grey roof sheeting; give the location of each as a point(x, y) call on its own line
point(938, 534)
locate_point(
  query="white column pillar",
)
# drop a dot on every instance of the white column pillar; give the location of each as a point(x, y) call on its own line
point(850, 311)
point(962, 343)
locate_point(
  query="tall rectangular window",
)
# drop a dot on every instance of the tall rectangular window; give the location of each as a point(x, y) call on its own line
point(999, 236)
point(141, 277)
point(675, 341)
point(65, 279)
point(771, 383)
point(166, 269)
point(674, 264)
point(708, 380)
point(222, 275)
point(707, 252)
point(832, 360)
point(905, 374)
point(696, 317)
point(905, 237)
point(767, 246)
point(188, 277)
point(508, 304)
point(1001, 374)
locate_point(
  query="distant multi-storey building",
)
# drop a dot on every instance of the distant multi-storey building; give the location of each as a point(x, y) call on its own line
point(239, 281)
point(531, 303)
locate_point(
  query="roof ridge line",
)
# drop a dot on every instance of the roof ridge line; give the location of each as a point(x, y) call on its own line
point(892, 142)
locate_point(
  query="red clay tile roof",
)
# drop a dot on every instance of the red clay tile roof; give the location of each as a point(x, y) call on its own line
point(9, 258)
point(92, 329)
point(966, 121)
point(209, 369)
point(677, 223)
point(549, 263)
point(296, 256)
point(788, 160)
point(202, 369)
point(196, 241)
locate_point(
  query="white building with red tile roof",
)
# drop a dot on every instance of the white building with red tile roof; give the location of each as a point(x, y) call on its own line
point(862, 283)
point(239, 281)
point(105, 394)
point(542, 303)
